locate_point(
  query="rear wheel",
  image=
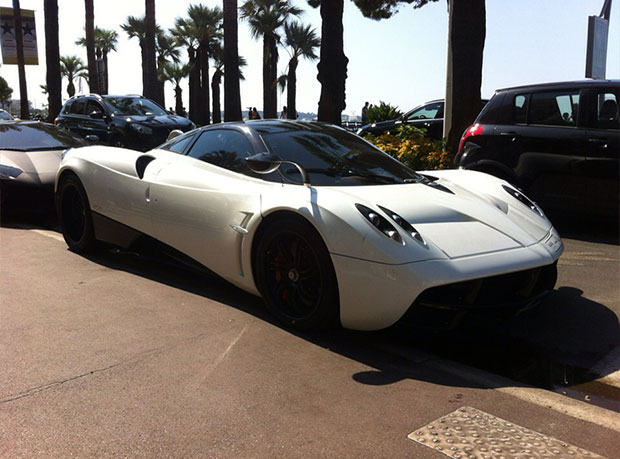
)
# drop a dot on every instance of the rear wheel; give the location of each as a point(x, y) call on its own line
point(295, 275)
point(74, 215)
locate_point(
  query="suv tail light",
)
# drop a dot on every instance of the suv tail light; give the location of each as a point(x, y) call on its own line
point(473, 130)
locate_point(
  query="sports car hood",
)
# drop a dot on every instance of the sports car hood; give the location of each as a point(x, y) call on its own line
point(457, 220)
point(39, 167)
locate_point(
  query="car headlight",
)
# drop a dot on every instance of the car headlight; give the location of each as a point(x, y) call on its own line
point(141, 129)
point(523, 199)
point(9, 172)
point(379, 222)
point(404, 224)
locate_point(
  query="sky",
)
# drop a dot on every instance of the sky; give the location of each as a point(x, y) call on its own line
point(401, 60)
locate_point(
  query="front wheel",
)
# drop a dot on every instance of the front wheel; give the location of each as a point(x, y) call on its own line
point(74, 215)
point(295, 275)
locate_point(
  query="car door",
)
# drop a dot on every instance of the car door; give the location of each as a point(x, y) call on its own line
point(96, 122)
point(602, 171)
point(202, 204)
point(543, 143)
point(75, 117)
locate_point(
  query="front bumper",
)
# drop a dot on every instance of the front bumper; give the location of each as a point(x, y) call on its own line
point(375, 296)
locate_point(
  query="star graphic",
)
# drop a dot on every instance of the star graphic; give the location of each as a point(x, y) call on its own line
point(7, 28)
point(28, 28)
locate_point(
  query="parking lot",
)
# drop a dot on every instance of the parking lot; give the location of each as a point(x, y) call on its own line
point(118, 354)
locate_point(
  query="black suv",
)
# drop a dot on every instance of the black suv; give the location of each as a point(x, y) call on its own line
point(559, 142)
point(428, 116)
point(126, 121)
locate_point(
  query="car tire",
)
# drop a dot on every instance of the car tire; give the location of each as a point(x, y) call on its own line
point(295, 275)
point(74, 215)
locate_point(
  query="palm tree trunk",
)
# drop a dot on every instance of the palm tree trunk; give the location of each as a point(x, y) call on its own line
point(291, 89)
point(467, 42)
point(19, 41)
point(270, 69)
point(204, 110)
point(52, 59)
point(161, 85)
point(232, 96)
point(144, 71)
point(333, 64)
point(194, 85)
point(178, 95)
point(150, 90)
point(215, 89)
point(106, 80)
point(93, 78)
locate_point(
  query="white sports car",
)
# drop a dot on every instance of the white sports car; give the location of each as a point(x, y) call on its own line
point(320, 223)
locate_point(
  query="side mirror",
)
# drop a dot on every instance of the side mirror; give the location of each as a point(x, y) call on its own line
point(266, 163)
point(174, 133)
point(92, 139)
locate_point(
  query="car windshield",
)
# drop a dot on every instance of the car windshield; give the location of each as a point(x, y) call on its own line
point(333, 156)
point(36, 136)
point(134, 106)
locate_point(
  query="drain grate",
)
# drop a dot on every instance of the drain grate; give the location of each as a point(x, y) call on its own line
point(468, 433)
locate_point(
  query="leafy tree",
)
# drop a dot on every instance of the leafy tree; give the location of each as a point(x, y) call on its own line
point(333, 62)
point(382, 112)
point(468, 20)
point(265, 17)
point(302, 41)
point(53, 77)
point(72, 67)
point(6, 92)
point(93, 79)
point(232, 96)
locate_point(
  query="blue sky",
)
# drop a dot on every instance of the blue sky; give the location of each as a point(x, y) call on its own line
point(401, 61)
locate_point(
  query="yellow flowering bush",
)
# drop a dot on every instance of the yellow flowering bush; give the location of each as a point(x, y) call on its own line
point(413, 148)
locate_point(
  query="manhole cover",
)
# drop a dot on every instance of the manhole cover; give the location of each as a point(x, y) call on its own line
point(468, 433)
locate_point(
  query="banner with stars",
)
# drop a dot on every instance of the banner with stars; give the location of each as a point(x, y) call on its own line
point(7, 37)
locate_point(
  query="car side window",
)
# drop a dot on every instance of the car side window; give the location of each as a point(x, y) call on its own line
point(224, 148)
point(607, 110)
point(93, 106)
point(519, 112)
point(178, 144)
point(429, 111)
point(558, 108)
point(77, 107)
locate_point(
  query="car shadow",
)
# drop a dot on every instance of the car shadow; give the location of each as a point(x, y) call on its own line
point(553, 345)
point(587, 228)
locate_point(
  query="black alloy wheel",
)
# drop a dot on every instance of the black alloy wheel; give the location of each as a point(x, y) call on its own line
point(295, 275)
point(74, 215)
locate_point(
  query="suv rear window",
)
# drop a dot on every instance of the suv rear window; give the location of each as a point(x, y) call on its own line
point(558, 108)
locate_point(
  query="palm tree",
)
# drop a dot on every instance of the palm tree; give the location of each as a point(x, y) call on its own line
point(218, 58)
point(52, 59)
point(19, 41)
point(175, 73)
point(183, 34)
point(150, 60)
point(93, 79)
point(265, 18)
point(167, 49)
point(232, 96)
point(105, 42)
point(72, 67)
point(136, 28)
point(333, 64)
point(302, 42)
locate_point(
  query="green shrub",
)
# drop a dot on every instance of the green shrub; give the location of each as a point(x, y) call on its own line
point(413, 148)
point(382, 112)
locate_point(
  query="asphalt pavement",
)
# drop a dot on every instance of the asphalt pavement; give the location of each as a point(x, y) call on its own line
point(122, 355)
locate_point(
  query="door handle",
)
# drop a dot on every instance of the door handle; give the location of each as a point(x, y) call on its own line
point(512, 134)
point(601, 142)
